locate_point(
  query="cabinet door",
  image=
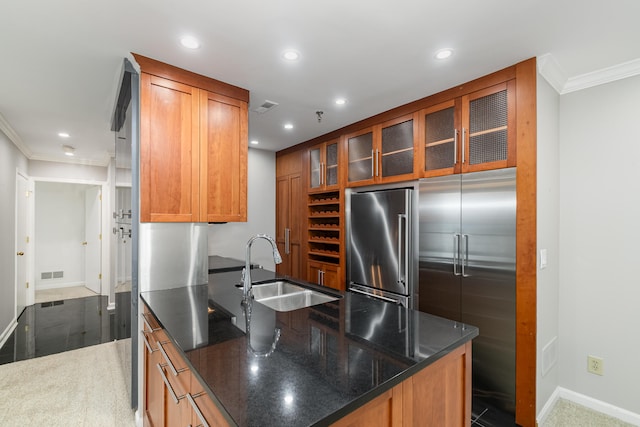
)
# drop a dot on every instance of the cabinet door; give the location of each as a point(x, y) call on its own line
point(223, 158)
point(441, 150)
point(488, 128)
point(360, 154)
point(331, 165)
point(169, 141)
point(314, 272)
point(396, 150)
point(288, 224)
point(315, 167)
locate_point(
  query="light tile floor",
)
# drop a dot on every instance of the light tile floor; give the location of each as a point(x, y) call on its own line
point(570, 414)
point(57, 294)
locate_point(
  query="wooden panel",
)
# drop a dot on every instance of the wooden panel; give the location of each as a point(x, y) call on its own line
point(331, 276)
point(223, 158)
point(377, 413)
point(168, 151)
point(440, 395)
point(157, 68)
point(526, 304)
point(290, 163)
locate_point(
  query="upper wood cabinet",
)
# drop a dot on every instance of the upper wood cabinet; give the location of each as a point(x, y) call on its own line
point(324, 170)
point(382, 153)
point(470, 133)
point(193, 146)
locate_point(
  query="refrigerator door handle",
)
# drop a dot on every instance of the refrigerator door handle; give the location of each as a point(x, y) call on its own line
point(456, 254)
point(465, 258)
point(402, 267)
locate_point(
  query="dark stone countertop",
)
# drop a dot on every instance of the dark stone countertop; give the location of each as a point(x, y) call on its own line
point(329, 360)
point(220, 264)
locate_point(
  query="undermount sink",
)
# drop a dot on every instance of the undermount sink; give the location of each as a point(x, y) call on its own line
point(285, 296)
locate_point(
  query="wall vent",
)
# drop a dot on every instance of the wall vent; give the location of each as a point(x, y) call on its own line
point(58, 274)
point(47, 275)
point(52, 275)
point(266, 106)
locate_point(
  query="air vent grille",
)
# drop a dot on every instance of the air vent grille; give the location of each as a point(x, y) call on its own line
point(266, 106)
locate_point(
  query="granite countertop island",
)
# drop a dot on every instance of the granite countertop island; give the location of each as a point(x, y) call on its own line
point(305, 367)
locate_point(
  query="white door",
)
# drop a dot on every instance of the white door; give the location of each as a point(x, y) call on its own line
point(93, 239)
point(22, 242)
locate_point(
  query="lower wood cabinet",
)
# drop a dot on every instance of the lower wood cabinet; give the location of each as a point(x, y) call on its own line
point(323, 274)
point(173, 396)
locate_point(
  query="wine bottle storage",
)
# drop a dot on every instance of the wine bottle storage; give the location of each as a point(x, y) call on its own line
point(324, 231)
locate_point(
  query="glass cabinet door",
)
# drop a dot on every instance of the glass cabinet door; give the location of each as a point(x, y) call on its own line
point(360, 149)
point(331, 161)
point(441, 138)
point(397, 149)
point(314, 168)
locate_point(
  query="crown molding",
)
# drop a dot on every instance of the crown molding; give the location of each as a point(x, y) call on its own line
point(104, 162)
point(553, 73)
point(6, 128)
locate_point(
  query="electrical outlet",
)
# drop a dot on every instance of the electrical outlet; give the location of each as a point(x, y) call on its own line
point(595, 365)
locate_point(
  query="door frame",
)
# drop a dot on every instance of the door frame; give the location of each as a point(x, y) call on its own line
point(29, 228)
point(105, 258)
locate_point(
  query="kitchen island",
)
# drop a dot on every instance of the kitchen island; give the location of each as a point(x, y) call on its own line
point(333, 363)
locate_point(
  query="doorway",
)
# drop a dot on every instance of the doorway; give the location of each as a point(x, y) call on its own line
point(23, 246)
point(67, 241)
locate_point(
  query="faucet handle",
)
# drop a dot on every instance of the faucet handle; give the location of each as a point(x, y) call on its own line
point(244, 272)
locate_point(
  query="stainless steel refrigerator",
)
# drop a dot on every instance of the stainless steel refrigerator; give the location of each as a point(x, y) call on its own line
point(467, 255)
point(380, 244)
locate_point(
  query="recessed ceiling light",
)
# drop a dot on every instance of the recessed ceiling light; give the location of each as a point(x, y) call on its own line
point(68, 150)
point(63, 135)
point(291, 55)
point(341, 101)
point(255, 142)
point(444, 53)
point(288, 126)
point(190, 42)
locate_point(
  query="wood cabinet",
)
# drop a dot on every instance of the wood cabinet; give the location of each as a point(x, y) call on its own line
point(383, 152)
point(193, 146)
point(173, 396)
point(470, 133)
point(289, 215)
point(324, 166)
point(325, 237)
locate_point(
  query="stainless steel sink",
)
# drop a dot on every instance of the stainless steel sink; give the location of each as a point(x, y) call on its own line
point(284, 296)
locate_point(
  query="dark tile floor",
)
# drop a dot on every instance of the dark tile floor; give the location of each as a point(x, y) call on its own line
point(484, 414)
point(54, 327)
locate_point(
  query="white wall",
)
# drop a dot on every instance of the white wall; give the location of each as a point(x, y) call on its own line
point(599, 241)
point(547, 238)
point(59, 233)
point(229, 240)
point(55, 171)
point(10, 160)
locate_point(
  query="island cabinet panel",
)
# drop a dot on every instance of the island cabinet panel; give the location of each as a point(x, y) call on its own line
point(437, 396)
point(173, 396)
point(193, 146)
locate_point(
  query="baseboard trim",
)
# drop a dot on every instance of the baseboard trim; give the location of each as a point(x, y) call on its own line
point(44, 286)
point(8, 331)
point(588, 402)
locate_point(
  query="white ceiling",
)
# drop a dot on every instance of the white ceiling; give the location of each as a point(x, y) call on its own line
point(61, 60)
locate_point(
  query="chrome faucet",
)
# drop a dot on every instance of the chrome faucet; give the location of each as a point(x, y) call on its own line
point(246, 272)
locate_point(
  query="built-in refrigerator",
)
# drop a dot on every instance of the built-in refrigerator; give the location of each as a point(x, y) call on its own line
point(467, 255)
point(380, 247)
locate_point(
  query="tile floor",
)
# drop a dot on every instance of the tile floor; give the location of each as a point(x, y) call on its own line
point(56, 294)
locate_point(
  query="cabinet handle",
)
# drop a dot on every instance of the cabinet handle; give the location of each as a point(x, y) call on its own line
point(377, 161)
point(174, 371)
point(464, 138)
point(372, 167)
point(174, 397)
point(318, 277)
point(146, 322)
point(455, 146)
point(146, 342)
point(322, 174)
point(194, 405)
point(287, 241)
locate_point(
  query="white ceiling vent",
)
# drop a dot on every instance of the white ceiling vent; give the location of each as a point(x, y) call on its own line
point(266, 106)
